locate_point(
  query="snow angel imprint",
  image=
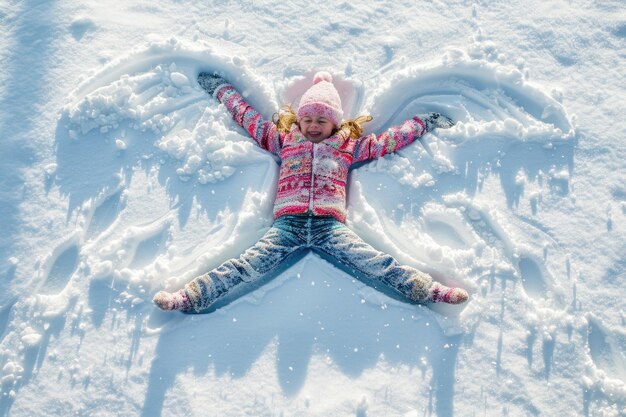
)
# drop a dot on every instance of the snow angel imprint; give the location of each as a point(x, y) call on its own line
point(316, 149)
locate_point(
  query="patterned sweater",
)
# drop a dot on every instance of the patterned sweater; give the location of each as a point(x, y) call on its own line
point(313, 176)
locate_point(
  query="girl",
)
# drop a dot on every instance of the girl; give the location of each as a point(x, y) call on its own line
point(316, 151)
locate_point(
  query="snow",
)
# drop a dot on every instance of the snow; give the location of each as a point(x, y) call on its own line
point(121, 177)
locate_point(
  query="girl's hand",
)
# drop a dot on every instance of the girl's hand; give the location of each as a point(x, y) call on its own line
point(435, 120)
point(210, 82)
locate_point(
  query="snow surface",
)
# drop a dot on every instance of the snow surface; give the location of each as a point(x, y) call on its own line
point(120, 177)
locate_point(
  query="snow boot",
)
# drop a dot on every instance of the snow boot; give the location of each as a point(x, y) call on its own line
point(439, 293)
point(172, 301)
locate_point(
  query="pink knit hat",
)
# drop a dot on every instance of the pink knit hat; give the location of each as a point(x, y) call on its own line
point(321, 99)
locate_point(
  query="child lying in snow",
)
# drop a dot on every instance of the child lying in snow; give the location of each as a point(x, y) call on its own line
point(316, 150)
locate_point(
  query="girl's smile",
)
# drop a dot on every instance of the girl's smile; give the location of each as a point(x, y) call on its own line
point(316, 128)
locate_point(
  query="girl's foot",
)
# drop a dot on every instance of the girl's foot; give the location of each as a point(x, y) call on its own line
point(439, 293)
point(172, 301)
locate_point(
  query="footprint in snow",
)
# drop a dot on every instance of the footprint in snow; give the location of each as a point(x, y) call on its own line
point(448, 228)
point(533, 278)
point(148, 249)
point(63, 266)
point(607, 349)
point(105, 214)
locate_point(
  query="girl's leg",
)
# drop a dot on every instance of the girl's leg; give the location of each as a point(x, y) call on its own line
point(342, 244)
point(276, 245)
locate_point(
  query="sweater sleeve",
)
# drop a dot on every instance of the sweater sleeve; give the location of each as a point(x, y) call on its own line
point(264, 132)
point(395, 138)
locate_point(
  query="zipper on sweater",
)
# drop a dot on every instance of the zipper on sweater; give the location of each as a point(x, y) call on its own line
point(313, 165)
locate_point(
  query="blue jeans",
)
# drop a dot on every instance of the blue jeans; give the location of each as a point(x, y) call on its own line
point(325, 235)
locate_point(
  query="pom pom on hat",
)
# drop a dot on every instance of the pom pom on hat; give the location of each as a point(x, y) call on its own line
point(321, 99)
point(322, 76)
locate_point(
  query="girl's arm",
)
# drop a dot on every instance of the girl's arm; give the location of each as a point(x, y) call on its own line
point(397, 137)
point(264, 132)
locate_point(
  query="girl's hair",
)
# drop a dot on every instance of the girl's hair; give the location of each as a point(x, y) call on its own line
point(286, 117)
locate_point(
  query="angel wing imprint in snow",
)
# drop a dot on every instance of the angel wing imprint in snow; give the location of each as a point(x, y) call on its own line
point(148, 111)
point(138, 127)
point(426, 208)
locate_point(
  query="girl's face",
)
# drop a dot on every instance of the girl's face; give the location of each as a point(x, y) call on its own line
point(316, 128)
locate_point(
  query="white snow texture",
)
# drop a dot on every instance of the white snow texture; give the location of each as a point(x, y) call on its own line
point(120, 177)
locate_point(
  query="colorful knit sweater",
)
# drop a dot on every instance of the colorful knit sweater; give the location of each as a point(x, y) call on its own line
point(313, 176)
